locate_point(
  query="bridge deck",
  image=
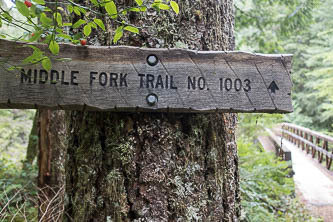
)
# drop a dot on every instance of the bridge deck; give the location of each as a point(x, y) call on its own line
point(315, 184)
point(313, 181)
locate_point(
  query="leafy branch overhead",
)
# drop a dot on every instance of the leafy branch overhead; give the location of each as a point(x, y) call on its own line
point(57, 18)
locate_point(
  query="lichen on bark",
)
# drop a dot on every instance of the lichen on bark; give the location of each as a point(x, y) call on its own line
point(158, 166)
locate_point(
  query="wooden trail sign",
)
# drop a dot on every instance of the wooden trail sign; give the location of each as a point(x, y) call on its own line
point(126, 78)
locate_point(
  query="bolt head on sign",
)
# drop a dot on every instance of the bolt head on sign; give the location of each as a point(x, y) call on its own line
point(152, 99)
point(146, 80)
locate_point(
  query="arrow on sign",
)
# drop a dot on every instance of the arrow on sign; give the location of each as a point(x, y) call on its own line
point(273, 87)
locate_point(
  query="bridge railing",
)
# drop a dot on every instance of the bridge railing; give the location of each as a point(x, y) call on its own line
point(280, 149)
point(318, 144)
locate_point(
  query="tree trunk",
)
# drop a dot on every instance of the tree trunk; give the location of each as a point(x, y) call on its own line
point(158, 166)
point(51, 161)
point(32, 148)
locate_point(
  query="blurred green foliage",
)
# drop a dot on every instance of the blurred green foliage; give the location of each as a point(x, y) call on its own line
point(303, 28)
point(15, 126)
point(313, 72)
point(266, 188)
point(18, 199)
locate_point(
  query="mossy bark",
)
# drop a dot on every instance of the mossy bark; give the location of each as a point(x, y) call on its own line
point(157, 166)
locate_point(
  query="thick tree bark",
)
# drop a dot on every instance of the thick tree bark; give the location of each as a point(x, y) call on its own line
point(51, 161)
point(158, 166)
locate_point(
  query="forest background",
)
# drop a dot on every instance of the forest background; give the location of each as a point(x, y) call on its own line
point(300, 27)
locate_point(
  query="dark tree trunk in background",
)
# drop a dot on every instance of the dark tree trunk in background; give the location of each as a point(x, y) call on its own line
point(51, 161)
point(158, 166)
point(32, 148)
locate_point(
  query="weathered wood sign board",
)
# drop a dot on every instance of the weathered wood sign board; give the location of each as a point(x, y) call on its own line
point(139, 79)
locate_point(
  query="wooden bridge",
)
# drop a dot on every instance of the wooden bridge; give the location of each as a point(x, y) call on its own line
point(310, 155)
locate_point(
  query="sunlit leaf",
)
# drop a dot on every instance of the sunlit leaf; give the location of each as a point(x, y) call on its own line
point(39, 2)
point(100, 23)
point(143, 9)
point(87, 30)
point(174, 7)
point(132, 29)
point(46, 21)
point(139, 2)
point(134, 10)
point(58, 18)
point(54, 47)
point(46, 63)
point(111, 9)
point(70, 8)
point(93, 25)
point(22, 8)
point(78, 23)
point(163, 6)
point(118, 34)
point(76, 10)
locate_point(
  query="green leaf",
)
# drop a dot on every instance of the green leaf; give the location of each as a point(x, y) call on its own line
point(78, 23)
point(39, 2)
point(58, 18)
point(54, 47)
point(67, 24)
point(45, 20)
point(174, 7)
point(111, 9)
point(70, 8)
point(64, 36)
point(94, 2)
point(35, 57)
point(132, 29)
point(87, 30)
point(77, 10)
point(33, 10)
point(156, 6)
point(134, 10)
point(93, 25)
point(118, 34)
point(82, 10)
point(22, 8)
point(46, 63)
point(164, 6)
point(99, 23)
point(139, 2)
point(59, 30)
point(143, 9)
